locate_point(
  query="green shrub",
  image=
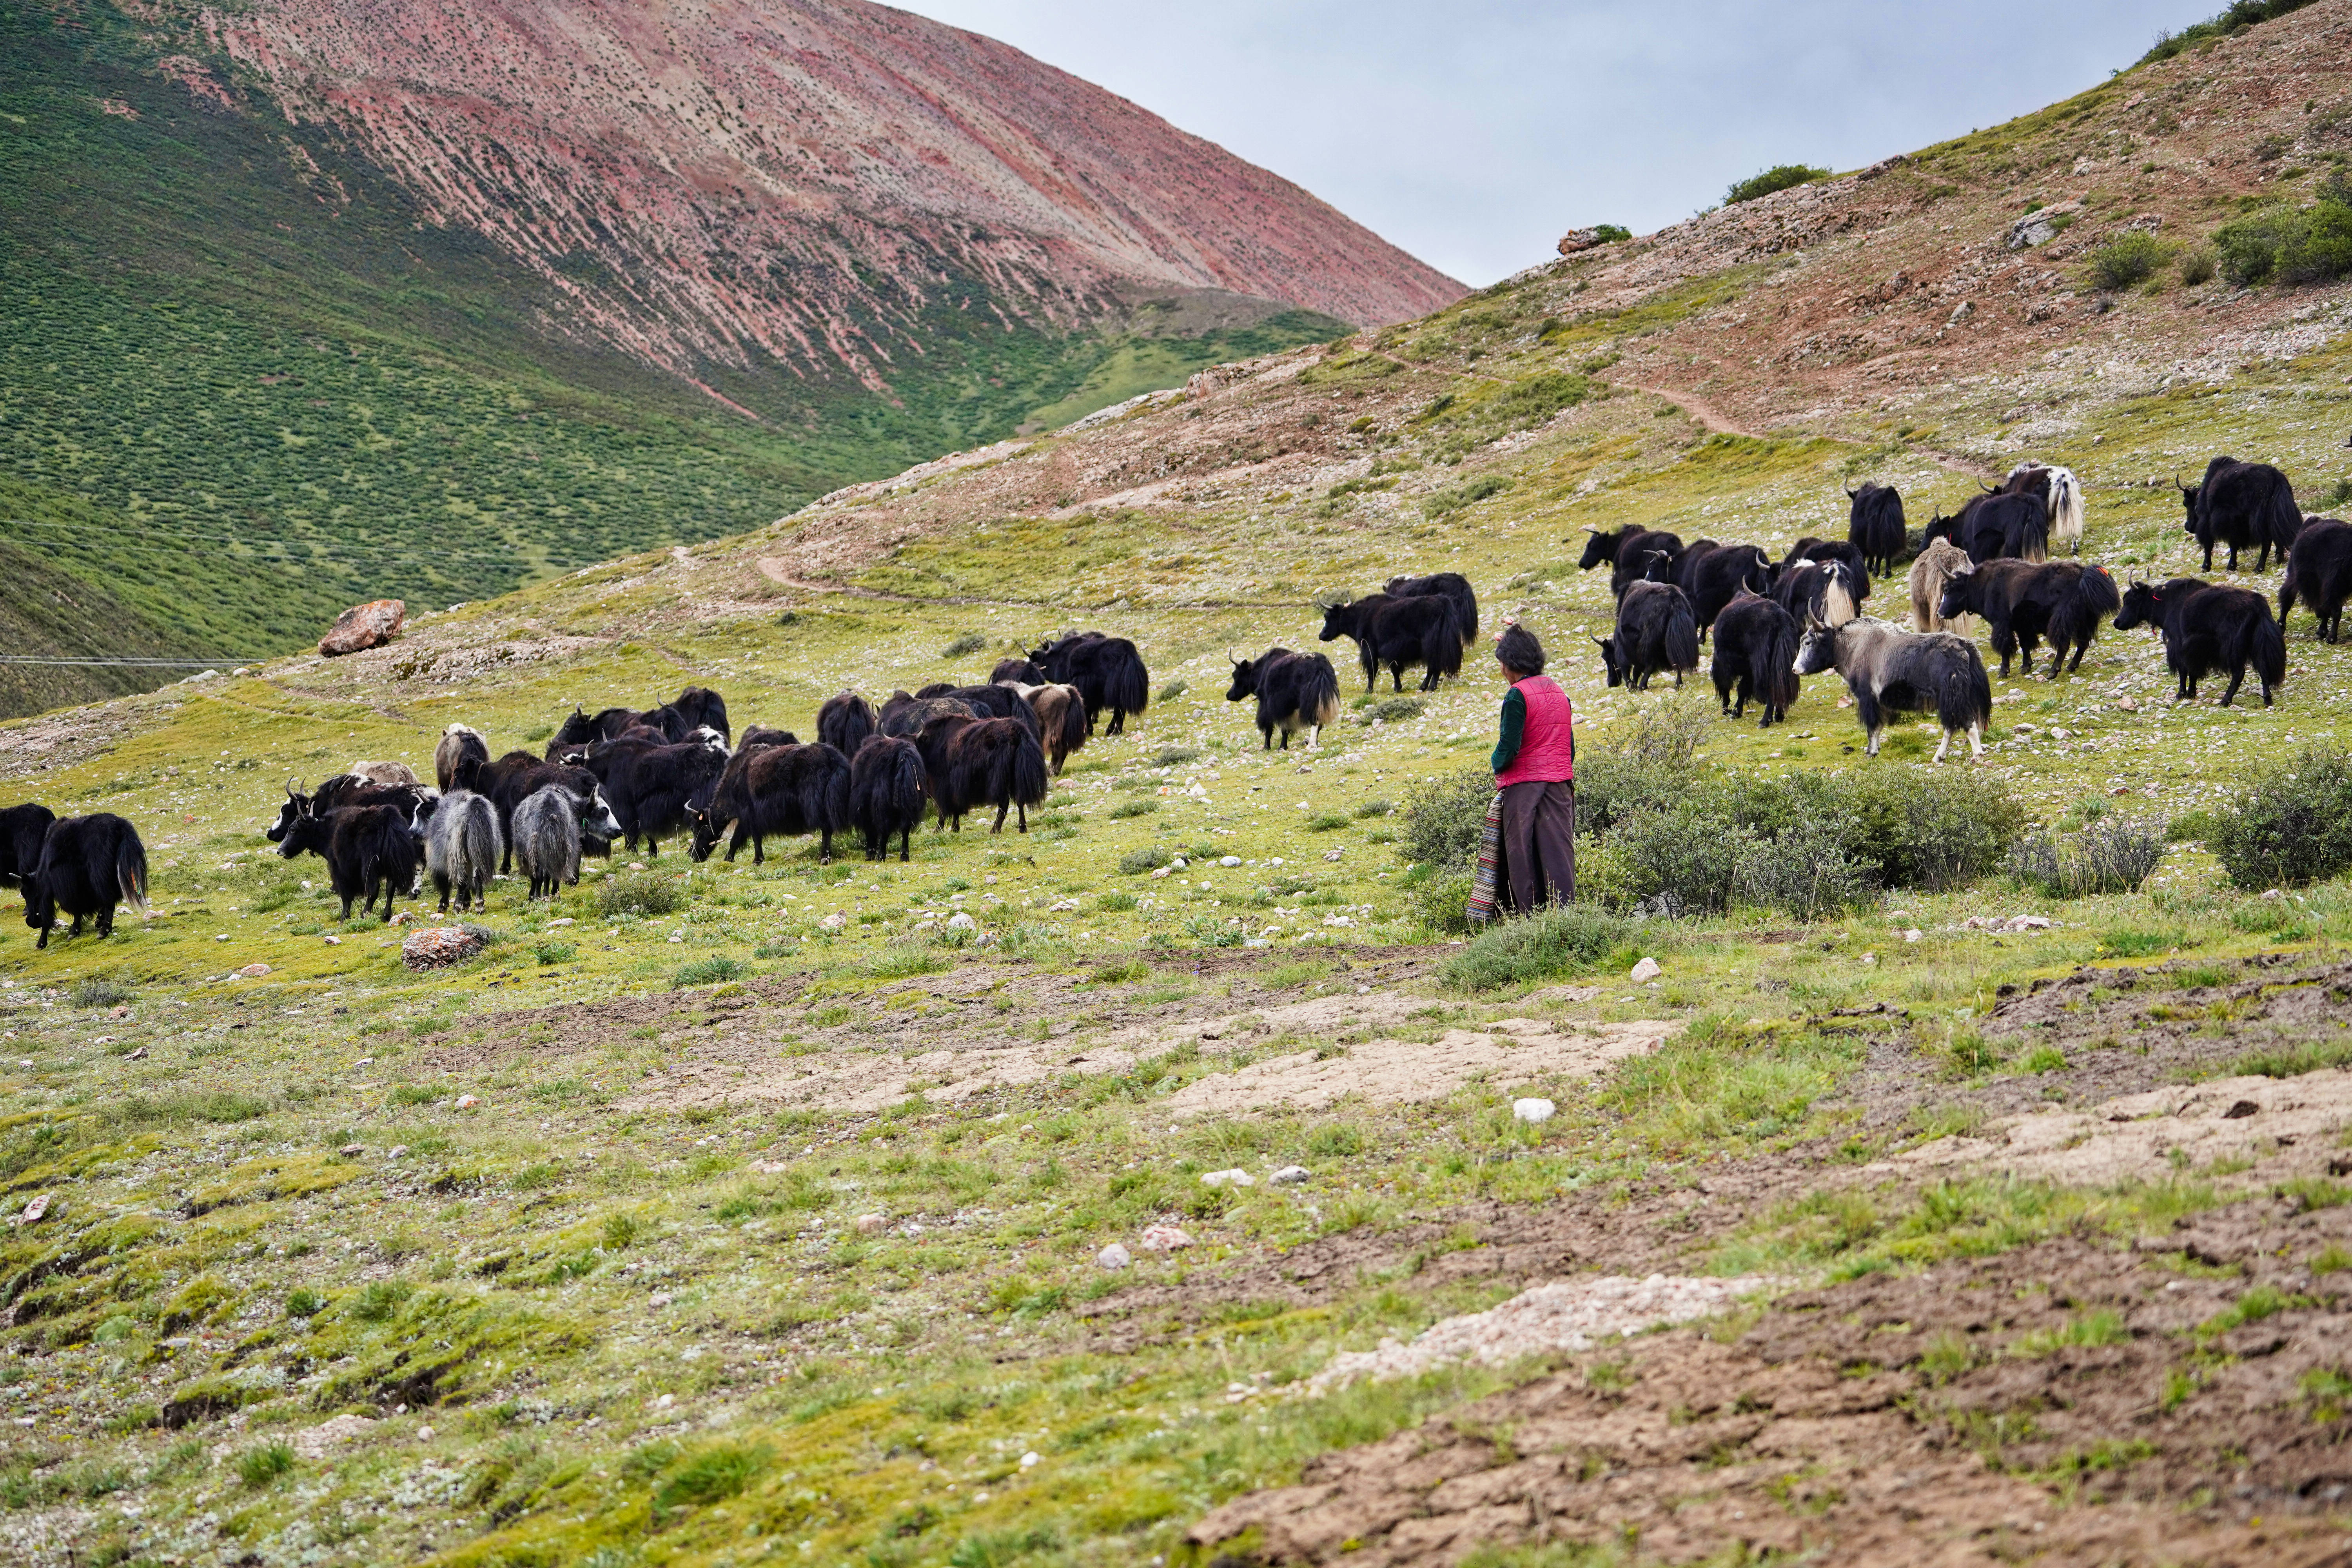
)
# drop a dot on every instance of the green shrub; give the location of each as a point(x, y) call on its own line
point(2239, 15)
point(381, 1300)
point(2197, 265)
point(1174, 756)
point(1445, 503)
point(1930, 830)
point(710, 971)
point(963, 644)
point(2290, 245)
point(2110, 855)
point(1207, 931)
point(905, 957)
point(1328, 822)
point(1779, 178)
point(1395, 710)
point(2293, 826)
point(1373, 808)
point(1128, 808)
point(639, 893)
point(259, 1467)
point(2127, 261)
point(1135, 862)
point(97, 993)
point(1170, 691)
point(1115, 903)
point(1442, 902)
point(712, 1476)
point(1445, 817)
point(1805, 871)
point(1683, 858)
point(305, 1303)
point(555, 952)
point(1610, 233)
point(1538, 947)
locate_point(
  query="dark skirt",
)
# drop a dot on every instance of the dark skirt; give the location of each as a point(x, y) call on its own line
point(1538, 847)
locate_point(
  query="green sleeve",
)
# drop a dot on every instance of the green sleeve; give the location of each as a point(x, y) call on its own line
point(1515, 725)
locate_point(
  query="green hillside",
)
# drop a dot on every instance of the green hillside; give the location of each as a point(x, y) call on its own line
point(237, 339)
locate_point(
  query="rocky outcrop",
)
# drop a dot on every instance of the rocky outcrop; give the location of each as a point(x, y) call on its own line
point(363, 626)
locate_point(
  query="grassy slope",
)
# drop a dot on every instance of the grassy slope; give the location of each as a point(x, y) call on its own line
point(560, 1252)
point(236, 338)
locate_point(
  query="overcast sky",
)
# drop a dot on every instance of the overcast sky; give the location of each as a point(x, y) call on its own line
point(1473, 132)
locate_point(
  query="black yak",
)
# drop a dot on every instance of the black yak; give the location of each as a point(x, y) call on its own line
point(1108, 671)
point(22, 829)
point(1875, 527)
point(2319, 570)
point(88, 865)
point(989, 701)
point(845, 720)
point(760, 735)
point(1393, 633)
point(1890, 670)
point(1756, 658)
point(2245, 506)
point(1712, 578)
point(905, 716)
point(412, 801)
point(649, 784)
point(366, 847)
point(2059, 493)
point(991, 762)
point(2208, 628)
point(783, 791)
point(461, 747)
point(581, 731)
point(1629, 551)
point(1449, 584)
point(2022, 604)
point(1819, 593)
point(1993, 526)
point(1650, 555)
point(1838, 550)
point(1019, 671)
point(1656, 631)
point(1294, 690)
point(888, 785)
point(463, 844)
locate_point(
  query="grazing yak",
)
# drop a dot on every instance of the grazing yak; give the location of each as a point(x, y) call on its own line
point(1294, 691)
point(2319, 570)
point(777, 791)
point(695, 708)
point(1629, 551)
point(2244, 505)
point(2059, 493)
point(463, 845)
point(845, 720)
point(1756, 658)
point(2209, 628)
point(581, 731)
point(1819, 593)
point(366, 848)
point(1712, 576)
point(2022, 604)
point(904, 715)
point(551, 825)
point(1994, 526)
point(1890, 670)
point(1929, 572)
point(1656, 631)
point(989, 701)
point(888, 788)
point(991, 762)
point(648, 783)
point(1838, 550)
point(1394, 634)
point(1061, 713)
point(461, 747)
point(1447, 585)
point(760, 735)
point(518, 775)
point(1108, 671)
point(88, 865)
point(22, 829)
point(1018, 671)
point(384, 773)
point(412, 801)
point(1875, 526)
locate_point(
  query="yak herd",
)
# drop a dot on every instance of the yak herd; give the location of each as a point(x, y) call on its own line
point(679, 769)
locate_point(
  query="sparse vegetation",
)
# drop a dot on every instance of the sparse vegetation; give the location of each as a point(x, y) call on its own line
point(2128, 260)
point(1779, 178)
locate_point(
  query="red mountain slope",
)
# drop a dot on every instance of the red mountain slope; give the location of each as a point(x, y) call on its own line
point(713, 179)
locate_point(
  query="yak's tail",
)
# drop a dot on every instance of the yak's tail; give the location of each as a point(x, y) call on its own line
point(1127, 684)
point(1466, 611)
point(1682, 635)
point(1777, 682)
point(2266, 649)
point(2094, 594)
point(1442, 649)
point(828, 809)
point(2286, 595)
point(1964, 694)
point(2033, 533)
point(130, 870)
point(2066, 506)
point(1073, 723)
point(1318, 695)
point(2280, 520)
point(1025, 775)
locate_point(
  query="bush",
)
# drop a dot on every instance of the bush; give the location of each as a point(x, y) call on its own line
point(1444, 816)
point(97, 993)
point(1445, 503)
point(1682, 859)
point(1135, 862)
point(1779, 178)
point(2197, 265)
point(2290, 245)
point(2127, 261)
point(2110, 855)
point(639, 893)
point(1442, 902)
point(259, 1467)
point(964, 643)
point(2238, 14)
point(1128, 808)
point(1930, 830)
point(1328, 822)
point(2292, 826)
point(710, 971)
point(305, 1303)
point(1169, 692)
point(1806, 871)
point(555, 952)
point(1207, 931)
point(1547, 943)
point(1396, 710)
point(1610, 233)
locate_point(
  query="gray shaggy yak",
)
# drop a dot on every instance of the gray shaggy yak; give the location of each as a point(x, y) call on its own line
point(1890, 670)
point(463, 848)
point(550, 825)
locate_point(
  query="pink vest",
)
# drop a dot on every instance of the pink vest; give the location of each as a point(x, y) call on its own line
point(1548, 745)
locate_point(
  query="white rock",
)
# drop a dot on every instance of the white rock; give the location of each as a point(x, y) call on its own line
point(1028, 1460)
point(1646, 970)
point(468, 1102)
point(1163, 1238)
point(1178, 864)
point(961, 921)
point(834, 922)
point(1230, 861)
point(1911, 935)
point(1289, 1175)
point(1532, 1111)
point(1870, 958)
point(1115, 1256)
point(870, 1223)
point(1232, 1178)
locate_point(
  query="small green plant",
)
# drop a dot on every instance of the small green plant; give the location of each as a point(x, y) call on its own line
point(1779, 178)
point(1538, 947)
point(259, 1467)
point(555, 952)
point(97, 993)
point(2110, 855)
point(1610, 233)
point(1135, 862)
point(2289, 245)
point(711, 971)
point(1395, 710)
point(2197, 265)
point(305, 1303)
point(639, 893)
point(2132, 942)
point(1131, 808)
point(712, 1476)
point(1115, 904)
point(1170, 691)
point(1174, 756)
point(1374, 808)
point(381, 1300)
point(1207, 930)
point(964, 643)
point(2127, 261)
point(618, 1231)
point(1328, 821)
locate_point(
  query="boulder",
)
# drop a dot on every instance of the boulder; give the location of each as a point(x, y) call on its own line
point(364, 626)
point(1577, 239)
point(438, 947)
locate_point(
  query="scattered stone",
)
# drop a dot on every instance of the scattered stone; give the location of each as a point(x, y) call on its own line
point(138, 1055)
point(364, 626)
point(1028, 1460)
point(351, 1151)
point(468, 1102)
point(1232, 1178)
point(438, 947)
point(659, 1298)
point(35, 1210)
point(1178, 864)
point(1163, 871)
point(316, 1443)
point(1648, 969)
point(1532, 1111)
point(564, 922)
point(2129, 704)
point(1331, 854)
point(335, 942)
point(397, 1152)
point(1061, 906)
point(1115, 1256)
point(1289, 1176)
point(870, 1223)
point(1870, 958)
point(2273, 893)
point(961, 921)
point(1577, 239)
point(1912, 935)
point(1163, 1238)
point(254, 971)
point(1231, 860)
point(2243, 1107)
point(834, 922)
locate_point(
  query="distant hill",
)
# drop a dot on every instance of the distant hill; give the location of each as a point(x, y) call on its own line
point(313, 303)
